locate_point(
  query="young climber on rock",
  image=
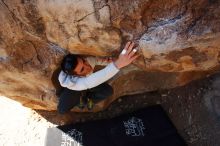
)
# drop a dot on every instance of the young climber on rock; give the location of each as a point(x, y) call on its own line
point(82, 86)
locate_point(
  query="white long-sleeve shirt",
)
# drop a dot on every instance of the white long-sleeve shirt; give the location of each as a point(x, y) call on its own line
point(92, 80)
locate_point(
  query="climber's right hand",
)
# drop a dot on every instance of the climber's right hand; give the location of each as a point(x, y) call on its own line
point(127, 56)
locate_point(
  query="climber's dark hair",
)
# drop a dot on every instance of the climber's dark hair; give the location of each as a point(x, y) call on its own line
point(69, 63)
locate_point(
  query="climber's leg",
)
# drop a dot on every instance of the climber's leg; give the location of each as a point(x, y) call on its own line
point(67, 100)
point(100, 92)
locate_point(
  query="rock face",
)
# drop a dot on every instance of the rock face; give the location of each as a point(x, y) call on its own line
point(179, 41)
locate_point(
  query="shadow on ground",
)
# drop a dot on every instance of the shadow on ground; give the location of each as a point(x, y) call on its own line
point(193, 108)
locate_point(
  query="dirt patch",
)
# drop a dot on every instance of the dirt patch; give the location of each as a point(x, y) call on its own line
point(190, 108)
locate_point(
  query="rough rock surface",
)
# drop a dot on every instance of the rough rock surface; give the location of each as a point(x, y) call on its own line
point(179, 41)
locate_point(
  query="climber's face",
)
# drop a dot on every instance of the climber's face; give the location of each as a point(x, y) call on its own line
point(82, 68)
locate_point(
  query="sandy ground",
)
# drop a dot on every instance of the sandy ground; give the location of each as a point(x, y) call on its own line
point(194, 109)
point(21, 126)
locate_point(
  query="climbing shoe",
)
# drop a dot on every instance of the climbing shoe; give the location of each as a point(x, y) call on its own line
point(90, 104)
point(81, 104)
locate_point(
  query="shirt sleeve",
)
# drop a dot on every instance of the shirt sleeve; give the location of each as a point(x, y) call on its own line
point(93, 80)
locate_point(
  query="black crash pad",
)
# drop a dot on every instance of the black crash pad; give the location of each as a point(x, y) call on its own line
point(146, 127)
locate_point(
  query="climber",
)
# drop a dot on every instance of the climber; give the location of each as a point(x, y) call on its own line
point(84, 88)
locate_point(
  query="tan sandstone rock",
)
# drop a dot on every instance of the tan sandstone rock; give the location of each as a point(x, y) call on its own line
point(179, 41)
